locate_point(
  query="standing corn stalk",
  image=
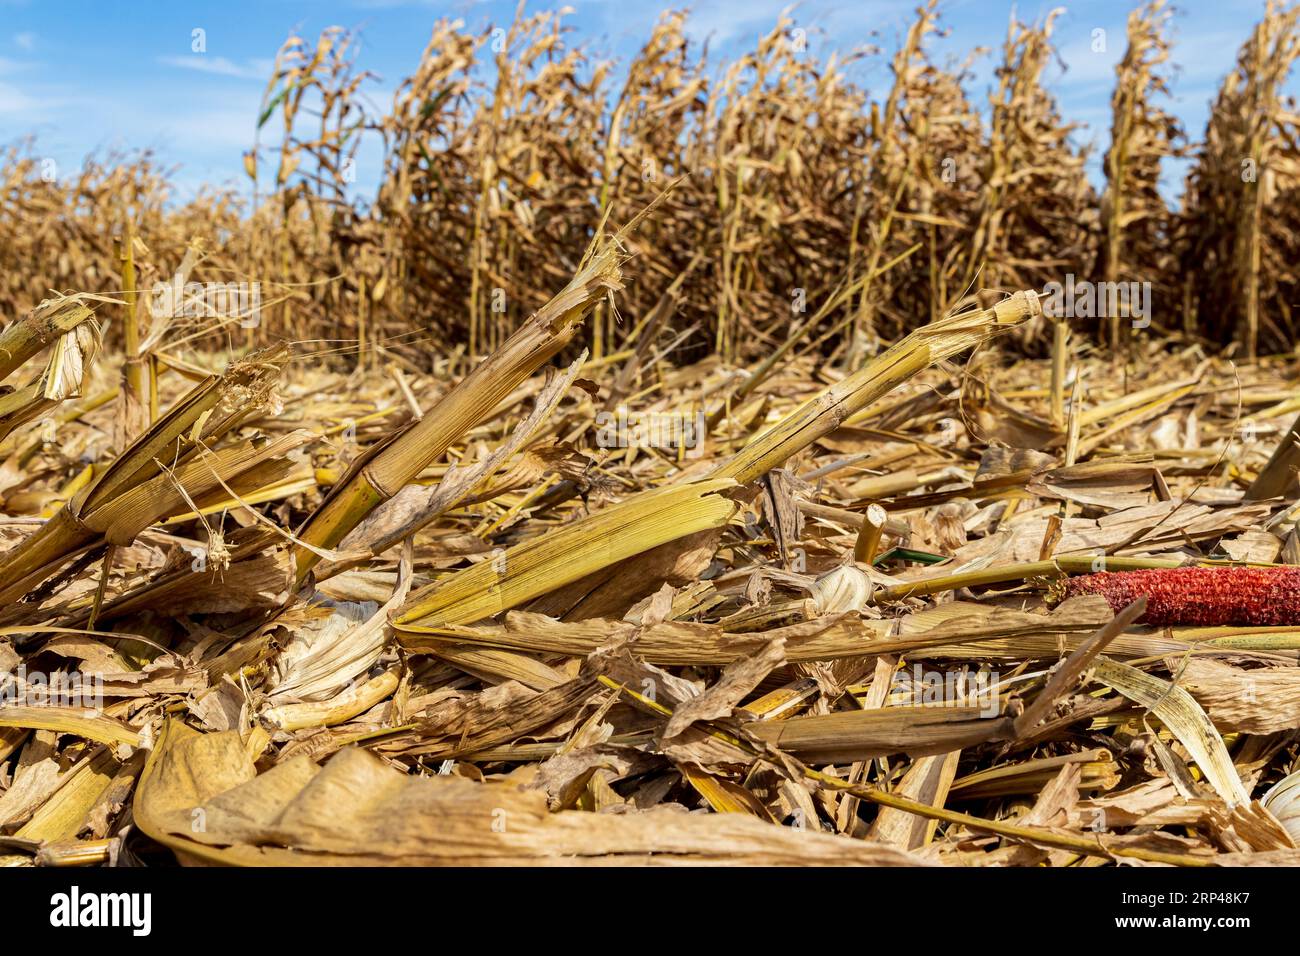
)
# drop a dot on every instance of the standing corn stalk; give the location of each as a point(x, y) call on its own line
point(890, 170)
point(1238, 262)
point(134, 398)
point(1036, 213)
point(1135, 219)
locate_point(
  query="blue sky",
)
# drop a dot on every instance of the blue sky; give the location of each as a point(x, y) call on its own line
point(85, 76)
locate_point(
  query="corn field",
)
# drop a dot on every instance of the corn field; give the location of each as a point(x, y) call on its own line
point(843, 465)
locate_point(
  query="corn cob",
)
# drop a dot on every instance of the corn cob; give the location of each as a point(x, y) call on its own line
point(1204, 597)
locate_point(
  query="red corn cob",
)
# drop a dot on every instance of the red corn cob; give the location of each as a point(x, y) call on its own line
point(1203, 597)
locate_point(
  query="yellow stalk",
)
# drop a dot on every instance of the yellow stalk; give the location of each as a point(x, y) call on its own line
point(133, 370)
point(546, 562)
point(823, 414)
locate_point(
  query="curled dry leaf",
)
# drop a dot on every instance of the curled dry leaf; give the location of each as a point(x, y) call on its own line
point(356, 811)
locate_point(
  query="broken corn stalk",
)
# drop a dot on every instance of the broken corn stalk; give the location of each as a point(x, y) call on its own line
point(45, 323)
point(628, 529)
point(66, 373)
point(821, 415)
point(395, 462)
point(134, 492)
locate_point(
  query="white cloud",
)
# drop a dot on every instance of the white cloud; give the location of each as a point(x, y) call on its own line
point(14, 100)
point(25, 41)
point(219, 65)
point(230, 128)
